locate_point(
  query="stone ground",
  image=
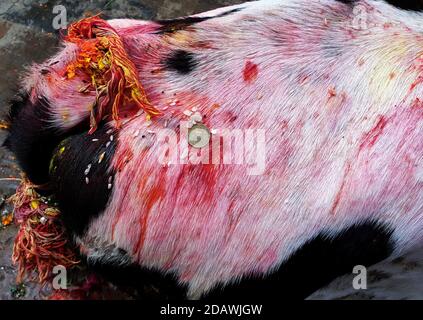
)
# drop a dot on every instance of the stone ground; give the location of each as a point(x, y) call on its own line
point(27, 36)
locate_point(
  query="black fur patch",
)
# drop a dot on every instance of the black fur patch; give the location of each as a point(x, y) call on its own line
point(347, 1)
point(412, 5)
point(17, 104)
point(81, 173)
point(315, 265)
point(181, 61)
point(173, 25)
point(31, 137)
point(146, 284)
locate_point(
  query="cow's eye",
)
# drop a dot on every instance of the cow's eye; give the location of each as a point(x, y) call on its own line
point(414, 5)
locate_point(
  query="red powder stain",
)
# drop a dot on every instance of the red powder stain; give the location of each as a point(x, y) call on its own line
point(119, 215)
point(250, 72)
point(49, 79)
point(202, 45)
point(351, 34)
point(123, 159)
point(340, 100)
point(332, 93)
point(417, 104)
point(252, 122)
point(267, 259)
point(284, 125)
point(418, 81)
point(373, 135)
point(186, 276)
point(344, 97)
point(229, 117)
point(234, 218)
point(387, 25)
point(303, 79)
point(154, 195)
point(326, 22)
point(418, 66)
point(341, 190)
point(205, 177)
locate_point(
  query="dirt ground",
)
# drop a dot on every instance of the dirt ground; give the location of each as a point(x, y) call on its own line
point(27, 36)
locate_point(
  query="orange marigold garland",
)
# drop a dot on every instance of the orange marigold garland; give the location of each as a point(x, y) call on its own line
point(41, 243)
point(103, 57)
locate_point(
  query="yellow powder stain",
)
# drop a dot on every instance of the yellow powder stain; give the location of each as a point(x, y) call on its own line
point(4, 125)
point(7, 219)
point(383, 69)
point(100, 159)
point(34, 204)
point(65, 115)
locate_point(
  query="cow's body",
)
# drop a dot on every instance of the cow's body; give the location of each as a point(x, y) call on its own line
point(339, 105)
